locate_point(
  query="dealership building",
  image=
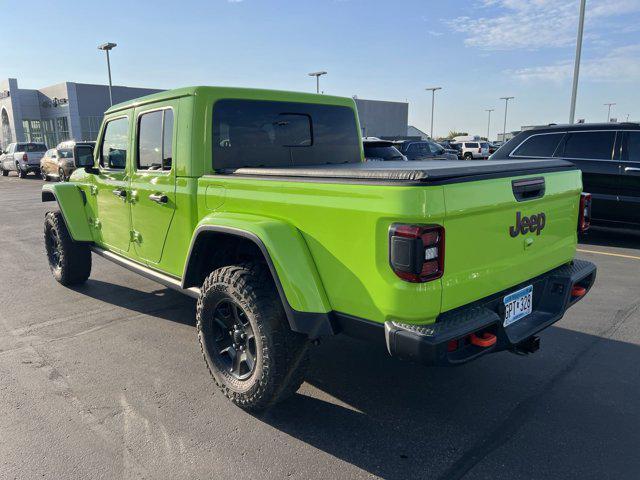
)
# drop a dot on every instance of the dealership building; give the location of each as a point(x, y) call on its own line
point(56, 113)
point(72, 110)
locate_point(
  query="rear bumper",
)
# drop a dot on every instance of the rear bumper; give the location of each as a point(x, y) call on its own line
point(553, 294)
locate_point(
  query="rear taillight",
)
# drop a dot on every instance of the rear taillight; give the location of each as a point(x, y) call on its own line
point(416, 252)
point(25, 157)
point(480, 150)
point(584, 215)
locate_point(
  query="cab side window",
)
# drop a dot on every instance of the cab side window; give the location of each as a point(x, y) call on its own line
point(115, 141)
point(155, 140)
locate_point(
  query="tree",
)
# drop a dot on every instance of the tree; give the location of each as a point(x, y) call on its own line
point(453, 133)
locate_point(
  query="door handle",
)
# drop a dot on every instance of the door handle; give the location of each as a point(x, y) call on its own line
point(120, 192)
point(632, 170)
point(158, 198)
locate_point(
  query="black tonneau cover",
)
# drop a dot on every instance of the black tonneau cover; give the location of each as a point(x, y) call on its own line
point(416, 172)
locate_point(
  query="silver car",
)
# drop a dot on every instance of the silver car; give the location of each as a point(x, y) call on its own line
point(22, 157)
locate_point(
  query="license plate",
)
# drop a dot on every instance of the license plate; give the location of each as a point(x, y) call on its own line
point(517, 305)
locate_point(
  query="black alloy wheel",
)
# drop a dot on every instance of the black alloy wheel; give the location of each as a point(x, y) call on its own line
point(234, 346)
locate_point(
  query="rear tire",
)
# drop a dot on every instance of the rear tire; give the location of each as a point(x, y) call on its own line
point(21, 173)
point(272, 360)
point(69, 261)
point(468, 156)
point(5, 172)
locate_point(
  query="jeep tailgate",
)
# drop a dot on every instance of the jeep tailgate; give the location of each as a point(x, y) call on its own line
point(489, 243)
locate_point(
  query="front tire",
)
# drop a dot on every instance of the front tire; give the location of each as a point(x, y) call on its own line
point(252, 355)
point(69, 261)
point(44, 176)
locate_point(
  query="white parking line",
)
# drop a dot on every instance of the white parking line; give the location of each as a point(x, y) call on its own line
point(609, 254)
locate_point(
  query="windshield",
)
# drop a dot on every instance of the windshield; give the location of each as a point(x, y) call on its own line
point(436, 149)
point(382, 153)
point(65, 153)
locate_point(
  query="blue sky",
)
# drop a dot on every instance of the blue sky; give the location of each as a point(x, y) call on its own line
point(478, 50)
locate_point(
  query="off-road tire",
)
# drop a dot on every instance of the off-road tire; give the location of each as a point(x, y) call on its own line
point(73, 265)
point(281, 354)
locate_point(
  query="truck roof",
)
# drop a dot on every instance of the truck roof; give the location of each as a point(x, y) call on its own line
point(413, 172)
point(235, 92)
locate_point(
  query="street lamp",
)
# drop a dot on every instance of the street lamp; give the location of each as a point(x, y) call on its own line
point(506, 105)
point(317, 75)
point(489, 121)
point(106, 47)
point(609, 112)
point(576, 67)
point(433, 101)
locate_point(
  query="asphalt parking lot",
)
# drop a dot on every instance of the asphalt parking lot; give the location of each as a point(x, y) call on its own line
point(107, 381)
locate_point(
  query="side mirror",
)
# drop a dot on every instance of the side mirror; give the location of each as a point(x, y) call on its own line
point(83, 157)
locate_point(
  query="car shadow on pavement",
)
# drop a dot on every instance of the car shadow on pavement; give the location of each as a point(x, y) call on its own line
point(163, 302)
point(609, 237)
point(545, 417)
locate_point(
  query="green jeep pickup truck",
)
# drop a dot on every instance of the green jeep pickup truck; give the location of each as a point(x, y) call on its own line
point(258, 204)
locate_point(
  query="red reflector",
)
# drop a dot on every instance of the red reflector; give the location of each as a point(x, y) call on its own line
point(578, 291)
point(483, 340)
point(452, 345)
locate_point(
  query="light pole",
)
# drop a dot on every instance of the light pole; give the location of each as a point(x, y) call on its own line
point(433, 102)
point(317, 75)
point(609, 112)
point(576, 67)
point(106, 47)
point(489, 121)
point(504, 129)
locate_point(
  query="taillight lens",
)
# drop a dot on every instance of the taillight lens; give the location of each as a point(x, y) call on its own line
point(584, 215)
point(416, 252)
point(25, 157)
point(480, 150)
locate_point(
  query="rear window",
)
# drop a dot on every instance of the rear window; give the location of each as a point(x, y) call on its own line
point(471, 145)
point(31, 147)
point(484, 145)
point(250, 133)
point(589, 145)
point(383, 153)
point(542, 145)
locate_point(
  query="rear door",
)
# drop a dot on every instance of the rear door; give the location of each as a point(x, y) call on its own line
point(153, 182)
point(593, 153)
point(629, 207)
point(112, 182)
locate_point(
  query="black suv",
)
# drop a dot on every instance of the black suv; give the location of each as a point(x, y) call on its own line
point(608, 155)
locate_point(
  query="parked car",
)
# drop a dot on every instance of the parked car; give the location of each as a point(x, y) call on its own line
point(287, 237)
point(493, 148)
point(381, 150)
point(473, 150)
point(424, 150)
point(58, 163)
point(23, 158)
point(452, 147)
point(608, 155)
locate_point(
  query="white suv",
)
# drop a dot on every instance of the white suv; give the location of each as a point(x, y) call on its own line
point(473, 150)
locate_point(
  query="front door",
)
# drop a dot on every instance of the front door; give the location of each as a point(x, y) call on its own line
point(630, 178)
point(112, 183)
point(152, 183)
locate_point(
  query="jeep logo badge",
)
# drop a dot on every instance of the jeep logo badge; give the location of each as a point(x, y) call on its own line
point(524, 225)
